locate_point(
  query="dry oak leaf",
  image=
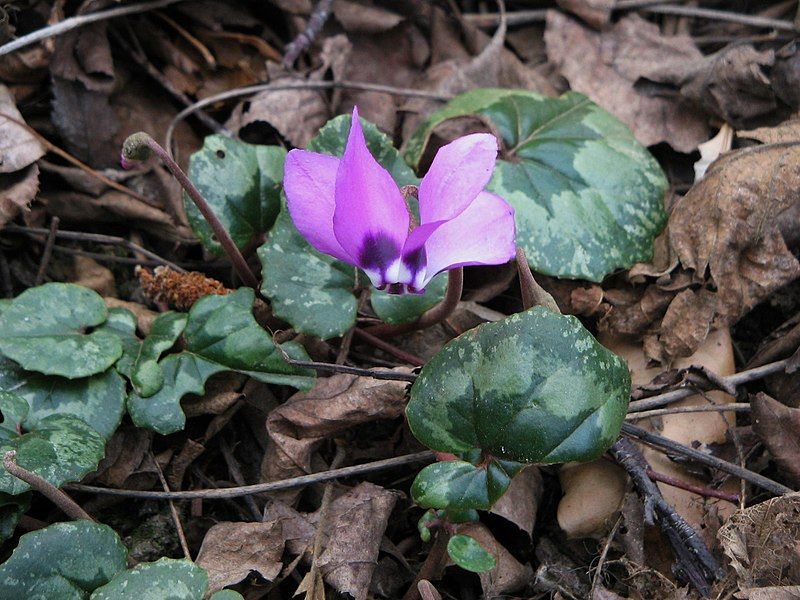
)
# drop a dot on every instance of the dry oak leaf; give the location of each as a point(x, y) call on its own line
point(231, 551)
point(778, 426)
point(606, 66)
point(761, 543)
point(17, 190)
point(508, 575)
point(18, 146)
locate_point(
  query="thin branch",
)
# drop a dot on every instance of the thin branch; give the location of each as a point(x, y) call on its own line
point(81, 21)
point(334, 368)
point(134, 149)
point(455, 286)
point(173, 511)
point(721, 15)
point(662, 443)
point(45, 488)
point(315, 24)
point(47, 253)
point(678, 410)
point(690, 487)
point(598, 572)
point(260, 488)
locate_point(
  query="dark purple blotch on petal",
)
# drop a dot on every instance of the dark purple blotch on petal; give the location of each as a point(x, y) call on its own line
point(378, 252)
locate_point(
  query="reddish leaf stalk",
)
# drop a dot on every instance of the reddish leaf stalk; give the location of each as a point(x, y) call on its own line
point(138, 147)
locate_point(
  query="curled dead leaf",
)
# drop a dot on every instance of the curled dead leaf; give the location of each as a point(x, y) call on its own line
point(777, 426)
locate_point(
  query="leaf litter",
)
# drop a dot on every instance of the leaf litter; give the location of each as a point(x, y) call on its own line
point(725, 267)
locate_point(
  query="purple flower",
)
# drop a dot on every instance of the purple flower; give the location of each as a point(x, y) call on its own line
point(353, 210)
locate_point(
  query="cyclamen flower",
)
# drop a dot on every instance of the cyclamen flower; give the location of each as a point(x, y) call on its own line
point(352, 209)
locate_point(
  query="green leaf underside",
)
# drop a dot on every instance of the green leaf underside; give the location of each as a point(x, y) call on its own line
point(99, 401)
point(313, 291)
point(61, 448)
point(535, 387)
point(165, 579)
point(241, 182)
point(588, 197)
point(64, 561)
point(468, 554)
point(221, 334)
point(43, 330)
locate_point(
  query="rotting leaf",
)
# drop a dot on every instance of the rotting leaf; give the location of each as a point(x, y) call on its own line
point(588, 198)
point(221, 334)
point(777, 426)
point(43, 330)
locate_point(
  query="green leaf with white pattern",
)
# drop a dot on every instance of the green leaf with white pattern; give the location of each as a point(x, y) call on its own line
point(535, 387)
point(241, 183)
point(167, 578)
point(588, 197)
point(313, 291)
point(459, 485)
point(44, 330)
point(64, 561)
point(61, 448)
point(221, 334)
point(99, 401)
point(393, 308)
point(468, 554)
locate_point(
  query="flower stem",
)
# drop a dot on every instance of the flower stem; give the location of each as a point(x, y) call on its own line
point(455, 285)
point(136, 148)
point(532, 293)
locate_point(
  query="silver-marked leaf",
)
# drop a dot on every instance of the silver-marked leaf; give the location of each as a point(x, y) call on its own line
point(221, 334)
point(393, 308)
point(241, 182)
point(167, 578)
point(459, 485)
point(99, 401)
point(535, 387)
point(310, 290)
point(65, 561)
point(60, 449)
point(588, 197)
point(44, 330)
point(468, 554)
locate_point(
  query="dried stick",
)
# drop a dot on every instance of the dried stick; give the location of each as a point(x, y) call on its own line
point(81, 21)
point(662, 443)
point(677, 410)
point(693, 559)
point(261, 488)
point(315, 24)
point(690, 487)
point(455, 286)
point(334, 368)
point(44, 487)
point(47, 253)
point(173, 511)
point(721, 15)
point(138, 148)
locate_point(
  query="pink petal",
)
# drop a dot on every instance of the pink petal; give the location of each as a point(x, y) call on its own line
point(371, 219)
point(459, 172)
point(309, 182)
point(484, 234)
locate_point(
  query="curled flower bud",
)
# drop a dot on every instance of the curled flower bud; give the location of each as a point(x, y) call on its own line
point(135, 149)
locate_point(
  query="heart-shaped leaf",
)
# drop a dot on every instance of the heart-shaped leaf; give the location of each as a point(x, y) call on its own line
point(459, 485)
point(468, 554)
point(44, 330)
point(241, 183)
point(588, 197)
point(535, 387)
point(64, 561)
point(61, 448)
point(221, 334)
point(98, 401)
point(165, 578)
point(312, 291)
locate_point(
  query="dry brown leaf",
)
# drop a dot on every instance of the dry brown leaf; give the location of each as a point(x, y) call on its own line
point(686, 323)
point(606, 66)
point(144, 316)
point(91, 274)
point(761, 543)
point(427, 591)
point(773, 592)
point(788, 131)
point(232, 551)
point(595, 12)
point(521, 502)
point(356, 17)
point(17, 191)
point(176, 469)
point(178, 290)
point(127, 463)
point(786, 74)
point(778, 426)
point(508, 575)
point(18, 146)
point(334, 405)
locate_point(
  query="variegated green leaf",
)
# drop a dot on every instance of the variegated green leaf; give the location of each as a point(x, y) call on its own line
point(468, 554)
point(167, 578)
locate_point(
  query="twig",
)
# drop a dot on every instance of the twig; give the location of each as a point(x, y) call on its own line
point(694, 561)
point(433, 563)
point(731, 380)
point(315, 24)
point(45, 488)
point(98, 238)
point(81, 21)
point(532, 293)
point(677, 410)
point(721, 15)
point(519, 17)
point(334, 368)
point(236, 473)
point(690, 487)
point(137, 148)
point(598, 572)
point(261, 488)
point(660, 442)
point(47, 253)
point(455, 286)
point(389, 348)
point(174, 511)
